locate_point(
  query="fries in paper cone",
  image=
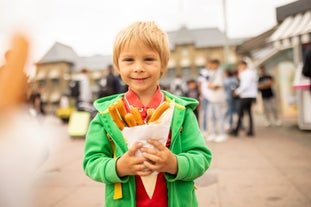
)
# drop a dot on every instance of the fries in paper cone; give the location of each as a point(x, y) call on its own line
point(157, 127)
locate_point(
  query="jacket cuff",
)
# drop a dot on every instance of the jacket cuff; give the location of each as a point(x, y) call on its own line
point(111, 175)
point(182, 172)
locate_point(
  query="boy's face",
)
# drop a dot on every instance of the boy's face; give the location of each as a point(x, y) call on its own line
point(140, 68)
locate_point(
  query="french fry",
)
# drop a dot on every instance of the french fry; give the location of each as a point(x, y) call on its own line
point(121, 109)
point(137, 115)
point(133, 118)
point(130, 120)
point(115, 117)
point(149, 114)
point(159, 111)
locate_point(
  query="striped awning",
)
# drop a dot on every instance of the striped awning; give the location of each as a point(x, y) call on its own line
point(294, 29)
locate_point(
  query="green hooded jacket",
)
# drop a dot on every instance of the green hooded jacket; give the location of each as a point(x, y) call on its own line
point(187, 143)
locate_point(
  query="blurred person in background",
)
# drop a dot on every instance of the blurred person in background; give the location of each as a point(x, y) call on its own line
point(247, 91)
point(265, 83)
point(306, 69)
point(203, 89)
point(230, 84)
point(37, 102)
point(216, 99)
point(193, 92)
point(178, 86)
point(110, 84)
point(113, 82)
point(85, 92)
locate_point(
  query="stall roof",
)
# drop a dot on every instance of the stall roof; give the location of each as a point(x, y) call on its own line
point(293, 26)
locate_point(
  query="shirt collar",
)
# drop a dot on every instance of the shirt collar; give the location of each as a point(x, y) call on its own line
point(132, 99)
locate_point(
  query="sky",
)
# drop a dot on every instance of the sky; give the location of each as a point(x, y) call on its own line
point(89, 26)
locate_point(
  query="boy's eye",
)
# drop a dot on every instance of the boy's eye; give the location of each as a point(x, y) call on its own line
point(128, 59)
point(149, 59)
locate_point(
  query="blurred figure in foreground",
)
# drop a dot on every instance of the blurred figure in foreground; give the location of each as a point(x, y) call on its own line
point(265, 83)
point(22, 146)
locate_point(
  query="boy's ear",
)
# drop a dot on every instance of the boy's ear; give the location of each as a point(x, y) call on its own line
point(117, 70)
point(162, 71)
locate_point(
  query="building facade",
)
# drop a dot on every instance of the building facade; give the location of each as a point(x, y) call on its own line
point(190, 49)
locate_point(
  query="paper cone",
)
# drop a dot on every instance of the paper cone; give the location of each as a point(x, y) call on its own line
point(149, 183)
point(158, 130)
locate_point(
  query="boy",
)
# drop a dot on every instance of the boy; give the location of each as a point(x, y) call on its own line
point(141, 55)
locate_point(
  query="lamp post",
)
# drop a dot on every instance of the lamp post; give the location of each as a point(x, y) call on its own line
point(226, 43)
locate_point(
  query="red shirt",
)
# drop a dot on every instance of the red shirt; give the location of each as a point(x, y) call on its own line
point(159, 197)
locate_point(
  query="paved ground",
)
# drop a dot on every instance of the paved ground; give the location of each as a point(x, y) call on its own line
point(271, 170)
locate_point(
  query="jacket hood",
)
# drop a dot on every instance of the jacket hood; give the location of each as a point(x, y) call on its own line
point(103, 103)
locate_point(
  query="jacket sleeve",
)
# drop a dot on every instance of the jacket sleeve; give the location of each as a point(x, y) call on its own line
point(98, 161)
point(195, 157)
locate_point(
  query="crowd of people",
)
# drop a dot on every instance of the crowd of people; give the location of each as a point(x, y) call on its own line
point(226, 95)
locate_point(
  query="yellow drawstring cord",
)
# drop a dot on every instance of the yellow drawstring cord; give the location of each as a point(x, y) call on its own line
point(117, 186)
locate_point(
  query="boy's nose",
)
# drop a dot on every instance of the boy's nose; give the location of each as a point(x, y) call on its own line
point(138, 67)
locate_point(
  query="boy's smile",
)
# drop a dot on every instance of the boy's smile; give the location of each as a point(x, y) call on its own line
point(140, 79)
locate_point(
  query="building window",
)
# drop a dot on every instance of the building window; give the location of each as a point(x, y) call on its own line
point(42, 83)
point(198, 69)
point(184, 52)
point(186, 72)
point(55, 82)
point(171, 73)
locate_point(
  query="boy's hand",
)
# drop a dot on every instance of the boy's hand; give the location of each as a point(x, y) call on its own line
point(160, 159)
point(129, 164)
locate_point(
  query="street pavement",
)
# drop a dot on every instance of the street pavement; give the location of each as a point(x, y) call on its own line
point(270, 170)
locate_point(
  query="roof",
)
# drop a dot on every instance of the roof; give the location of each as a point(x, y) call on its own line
point(95, 62)
point(291, 9)
point(255, 42)
point(59, 53)
point(62, 53)
point(203, 37)
point(293, 26)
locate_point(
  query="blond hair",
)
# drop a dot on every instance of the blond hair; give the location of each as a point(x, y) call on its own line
point(147, 33)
